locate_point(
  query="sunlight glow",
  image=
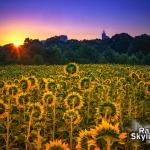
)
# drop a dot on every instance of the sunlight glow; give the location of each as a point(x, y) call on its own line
point(17, 44)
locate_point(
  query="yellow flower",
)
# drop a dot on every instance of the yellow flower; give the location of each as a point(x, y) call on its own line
point(37, 111)
point(3, 109)
point(86, 85)
point(74, 101)
point(33, 81)
point(57, 144)
point(22, 99)
point(85, 140)
point(73, 115)
point(25, 84)
point(49, 99)
point(109, 111)
point(71, 69)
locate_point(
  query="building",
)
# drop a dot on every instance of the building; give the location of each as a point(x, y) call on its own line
point(104, 36)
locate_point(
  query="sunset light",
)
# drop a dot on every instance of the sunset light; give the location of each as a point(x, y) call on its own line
point(17, 44)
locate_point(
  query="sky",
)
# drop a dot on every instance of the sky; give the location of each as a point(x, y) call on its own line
point(79, 19)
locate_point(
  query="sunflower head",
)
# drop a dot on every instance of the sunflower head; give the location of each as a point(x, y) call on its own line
point(107, 82)
point(108, 110)
point(74, 101)
point(108, 132)
point(71, 69)
point(48, 99)
point(32, 137)
point(33, 81)
point(62, 85)
point(13, 90)
point(37, 111)
point(51, 86)
point(9, 82)
point(24, 84)
point(72, 115)
point(85, 84)
point(3, 109)
point(16, 82)
point(22, 100)
point(41, 84)
point(57, 145)
point(85, 141)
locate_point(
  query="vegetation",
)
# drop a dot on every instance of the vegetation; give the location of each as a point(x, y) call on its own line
point(120, 49)
point(82, 107)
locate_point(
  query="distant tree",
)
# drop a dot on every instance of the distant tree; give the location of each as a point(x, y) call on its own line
point(102, 59)
point(54, 55)
point(121, 42)
point(140, 44)
point(121, 48)
point(133, 60)
point(38, 59)
point(146, 61)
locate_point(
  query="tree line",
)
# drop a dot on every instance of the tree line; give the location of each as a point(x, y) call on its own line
point(120, 49)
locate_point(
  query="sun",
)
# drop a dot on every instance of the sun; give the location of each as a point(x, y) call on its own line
point(17, 44)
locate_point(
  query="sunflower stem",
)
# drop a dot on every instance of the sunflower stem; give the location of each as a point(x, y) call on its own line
point(71, 131)
point(54, 120)
point(38, 140)
point(8, 127)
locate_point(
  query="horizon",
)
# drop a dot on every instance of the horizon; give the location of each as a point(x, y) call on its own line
point(17, 44)
point(78, 20)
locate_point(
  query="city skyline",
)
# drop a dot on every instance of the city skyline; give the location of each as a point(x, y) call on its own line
point(78, 20)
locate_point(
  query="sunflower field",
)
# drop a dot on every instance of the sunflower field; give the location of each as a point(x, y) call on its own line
point(73, 107)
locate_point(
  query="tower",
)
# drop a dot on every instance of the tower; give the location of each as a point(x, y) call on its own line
point(104, 36)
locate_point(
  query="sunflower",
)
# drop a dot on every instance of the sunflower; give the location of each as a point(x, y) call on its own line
point(74, 101)
point(16, 82)
point(108, 110)
point(3, 109)
point(86, 141)
point(141, 84)
point(22, 99)
point(13, 90)
point(134, 75)
point(109, 133)
point(72, 115)
point(25, 84)
point(41, 84)
point(37, 111)
point(107, 81)
point(9, 82)
point(85, 84)
point(48, 99)
point(33, 81)
point(57, 145)
point(32, 137)
point(62, 85)
point(51, 85)
point(71, 69)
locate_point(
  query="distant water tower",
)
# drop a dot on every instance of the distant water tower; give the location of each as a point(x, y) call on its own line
point(104, 36)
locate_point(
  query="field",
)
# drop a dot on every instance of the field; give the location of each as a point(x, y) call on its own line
point(77, 107)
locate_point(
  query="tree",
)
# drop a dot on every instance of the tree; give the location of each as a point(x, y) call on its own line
point(121, 42)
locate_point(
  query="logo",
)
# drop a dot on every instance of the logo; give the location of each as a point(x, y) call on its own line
point(142, 134)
